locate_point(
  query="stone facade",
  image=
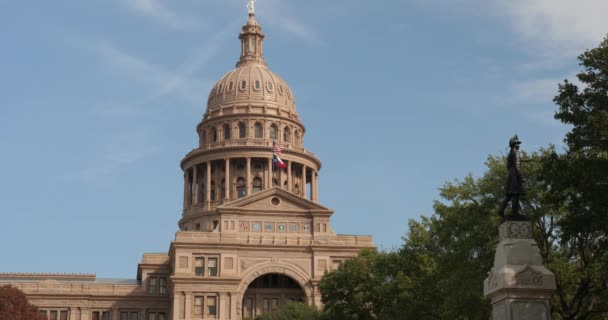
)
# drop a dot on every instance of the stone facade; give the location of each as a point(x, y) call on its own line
point(252, 236)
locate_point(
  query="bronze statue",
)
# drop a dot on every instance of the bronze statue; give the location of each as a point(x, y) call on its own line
point(515, 182)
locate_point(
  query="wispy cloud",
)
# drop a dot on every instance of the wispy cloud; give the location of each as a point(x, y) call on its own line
point(160, 81)
point(121, 151)
point(154, 9)
point(558, 27)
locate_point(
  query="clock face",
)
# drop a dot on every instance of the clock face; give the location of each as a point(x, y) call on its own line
point(293, 227)
point(281, 227)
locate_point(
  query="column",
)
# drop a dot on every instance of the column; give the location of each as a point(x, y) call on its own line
point(316, 186)
point(268, 180)
point(185, 189)
point(248, 182)
point(313, 185)
point(208, 184)
point(188, 306)
point(304, 181)
point(194, 187)
point(289, 183)
point(115, 313)
point(228, 187)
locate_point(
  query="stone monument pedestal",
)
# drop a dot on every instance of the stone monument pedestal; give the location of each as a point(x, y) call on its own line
point(519, 285)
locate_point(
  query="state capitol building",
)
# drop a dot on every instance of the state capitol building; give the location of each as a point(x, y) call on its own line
point(252, 234)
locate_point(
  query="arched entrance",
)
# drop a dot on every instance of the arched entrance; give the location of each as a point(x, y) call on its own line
point(268, 291)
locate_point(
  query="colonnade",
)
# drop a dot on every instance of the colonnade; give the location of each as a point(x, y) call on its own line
point(201, 182)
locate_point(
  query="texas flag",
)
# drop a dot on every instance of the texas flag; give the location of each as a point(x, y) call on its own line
point(276, 156)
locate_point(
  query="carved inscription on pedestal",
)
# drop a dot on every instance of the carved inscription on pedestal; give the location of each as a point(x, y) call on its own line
point(531, 310)
point(529, 277)
point(519, 230)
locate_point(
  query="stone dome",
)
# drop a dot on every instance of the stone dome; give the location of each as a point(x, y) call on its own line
point(251, 84)
point(251, 87)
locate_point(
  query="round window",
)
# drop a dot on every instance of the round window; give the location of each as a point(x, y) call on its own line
point(275, 201)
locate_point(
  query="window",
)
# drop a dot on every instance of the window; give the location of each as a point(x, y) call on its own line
point(273, 132)
point(100, 315)
point(248, 308)
point(257, 85)
point(152, 283)
point(212, 191)
point(129, 315)
point(257, 184)
point(157, 316)
point(242, 131)
point(205, 304)
point(212, 269)
point(241, 187)
point(204, 138)
point(223, 187)
point(214, 134)
point(269, 86)
point(296, 138)
point(53, 315)
point(211, 263)
point(281, 89)
point(162, 285)
point(157, 284)
point(226, 132)
point(198, 306)
point(211, 306)
point(230, 86)
point(199, 266)
point(259, 131)
point(286, 134)
point(243, 85)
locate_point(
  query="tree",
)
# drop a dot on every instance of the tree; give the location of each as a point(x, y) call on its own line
point(293, 311)
point(14, 305)
point(438, 271)
point(578, 180)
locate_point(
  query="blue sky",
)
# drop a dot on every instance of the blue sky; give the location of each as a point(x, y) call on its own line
point(99, 101)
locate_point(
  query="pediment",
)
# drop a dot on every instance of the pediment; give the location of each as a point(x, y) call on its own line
point(274, 199)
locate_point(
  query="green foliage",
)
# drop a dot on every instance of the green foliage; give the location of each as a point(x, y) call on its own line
point(439, 270)
point(14, 305)
point(293, 311)
point(578, 180)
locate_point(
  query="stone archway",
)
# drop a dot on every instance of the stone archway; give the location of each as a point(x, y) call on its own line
point(271, 284)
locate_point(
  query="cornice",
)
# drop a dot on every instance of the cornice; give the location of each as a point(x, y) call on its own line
point(220, 153)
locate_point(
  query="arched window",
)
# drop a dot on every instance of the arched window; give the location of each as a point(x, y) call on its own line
point(257, 184)
point(286, 134)
point(241, 187)
point(226, 132)
point(223, 191)
point(259, 131)
point(212, 190)
point(214, 134)
point(296, 188)
point(296, 137)
point(204, 138)
point(242, 130)
point(273, 132)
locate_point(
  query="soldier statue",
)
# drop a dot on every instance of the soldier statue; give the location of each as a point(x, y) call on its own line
point(515, 183)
